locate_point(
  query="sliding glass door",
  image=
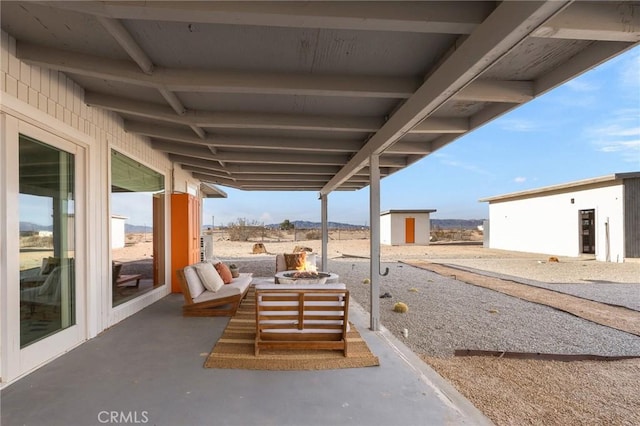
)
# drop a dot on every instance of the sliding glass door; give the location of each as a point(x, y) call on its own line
point(47, 240)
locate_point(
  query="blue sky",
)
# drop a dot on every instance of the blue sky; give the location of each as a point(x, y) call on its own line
point(586, 128)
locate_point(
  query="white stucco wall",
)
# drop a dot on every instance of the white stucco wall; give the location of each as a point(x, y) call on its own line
point(392, 228)
point(550, 224)
point(385, 229)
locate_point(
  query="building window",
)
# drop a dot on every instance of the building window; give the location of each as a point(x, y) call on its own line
point(137, 228)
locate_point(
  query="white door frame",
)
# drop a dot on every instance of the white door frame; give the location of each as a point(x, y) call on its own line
point(14, 361)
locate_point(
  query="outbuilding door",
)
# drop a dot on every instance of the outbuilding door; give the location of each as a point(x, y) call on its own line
point(410, 230)
point(588, 231)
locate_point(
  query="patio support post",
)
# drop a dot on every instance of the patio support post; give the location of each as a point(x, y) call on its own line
point(324, 199)
point(374, 239)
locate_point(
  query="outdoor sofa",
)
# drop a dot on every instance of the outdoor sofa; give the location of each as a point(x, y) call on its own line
point(201, 301)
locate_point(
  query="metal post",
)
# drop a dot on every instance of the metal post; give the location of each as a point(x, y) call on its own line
point(324, 200)
point(374, 239)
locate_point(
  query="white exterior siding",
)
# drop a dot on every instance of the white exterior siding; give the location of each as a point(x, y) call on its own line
point(53, 105)
point(385, 229)
point(550, 223)
point(117, 231)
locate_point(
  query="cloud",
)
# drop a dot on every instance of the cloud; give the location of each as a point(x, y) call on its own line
point(518, 125)
point(629, 70)
point(581, 85)
point(445, 159)
point(266, 218)
point(618, 135)
point(520, 179)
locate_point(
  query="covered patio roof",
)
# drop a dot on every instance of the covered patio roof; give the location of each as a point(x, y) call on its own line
point(300, 95)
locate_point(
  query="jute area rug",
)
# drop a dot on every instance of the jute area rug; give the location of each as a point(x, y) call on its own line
point(235, 349)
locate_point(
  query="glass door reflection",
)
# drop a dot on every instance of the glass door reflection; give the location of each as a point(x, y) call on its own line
point(47, 240)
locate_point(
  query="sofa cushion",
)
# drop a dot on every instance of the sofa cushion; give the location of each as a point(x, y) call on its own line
point(224, 272)
point(209, 276)
point(237, 286)
point(295, 261)
point(225, 291)
point(193, 281)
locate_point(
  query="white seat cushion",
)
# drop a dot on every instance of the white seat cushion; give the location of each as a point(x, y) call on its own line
point(225, 291)
point(193, 281)
point(209, 276)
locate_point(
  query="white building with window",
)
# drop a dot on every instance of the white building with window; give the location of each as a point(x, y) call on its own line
point(598, 217)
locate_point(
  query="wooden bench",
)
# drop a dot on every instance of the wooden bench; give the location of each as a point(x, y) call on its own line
point(123, 279)
point(302, 318)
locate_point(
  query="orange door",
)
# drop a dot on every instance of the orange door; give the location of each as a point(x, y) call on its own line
point(194, 231)
point(410, 230)
point(185, 234)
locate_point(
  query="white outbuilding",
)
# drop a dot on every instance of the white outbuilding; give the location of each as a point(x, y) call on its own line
point(402, 227)
point(118, 231)
point(599, 217)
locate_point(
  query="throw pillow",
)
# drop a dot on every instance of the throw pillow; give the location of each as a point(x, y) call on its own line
point(224, 272)
point(295, 261)
point(209, 276)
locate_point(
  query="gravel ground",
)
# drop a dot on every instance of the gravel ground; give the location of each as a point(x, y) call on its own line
point(445, 314)
point(621, 294)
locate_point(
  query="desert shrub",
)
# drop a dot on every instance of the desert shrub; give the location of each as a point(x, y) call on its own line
point(314, 234)
point(36, 241)
point(242, 230)
point(439, 234)
point(400, 307)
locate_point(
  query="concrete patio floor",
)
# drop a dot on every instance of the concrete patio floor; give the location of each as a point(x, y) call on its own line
point(148, 370)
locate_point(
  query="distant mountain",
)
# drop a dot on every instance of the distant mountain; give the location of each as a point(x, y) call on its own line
point(305, 224)
point(456, 223)
point(435, 223)
point(30, 226)
point(136, 229)
point(133, 229)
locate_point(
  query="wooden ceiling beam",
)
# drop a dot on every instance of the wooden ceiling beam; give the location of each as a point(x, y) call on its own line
point(604, 21)
point(213, 81)
point(247, 157)
point(244, 142)
point(239, 169)
point(421, 17)
point(234, 120)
